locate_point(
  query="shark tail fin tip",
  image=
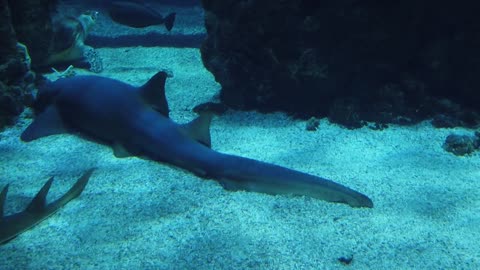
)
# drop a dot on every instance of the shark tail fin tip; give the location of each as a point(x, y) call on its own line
point(75, 190)
point(79, 186)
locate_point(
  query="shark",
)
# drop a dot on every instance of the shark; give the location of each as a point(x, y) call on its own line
point(135, 122)
point(38, 209)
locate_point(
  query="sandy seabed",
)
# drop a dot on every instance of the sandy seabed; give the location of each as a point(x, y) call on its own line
point(140, 214)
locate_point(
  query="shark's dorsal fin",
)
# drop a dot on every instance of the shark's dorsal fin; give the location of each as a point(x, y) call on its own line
point(47, 123)
point(120, 151)
point(153, 93)
point(199, 129)
point(37, 205)
point(3, 197)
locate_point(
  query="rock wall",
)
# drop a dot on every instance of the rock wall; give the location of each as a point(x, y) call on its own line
point(103, 3)
point(351, 60)
point(24, 35)
point(32, 22)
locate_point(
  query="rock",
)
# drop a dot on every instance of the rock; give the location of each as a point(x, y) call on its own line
point(8, 42)
point(16, 78)
point(460, 145)
point(345, 112)
point(32, 22)
point(68, 47)
point(445, 121)
point(307, 56)
point(312, 124)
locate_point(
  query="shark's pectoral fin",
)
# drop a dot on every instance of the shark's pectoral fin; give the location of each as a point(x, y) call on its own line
point(230, 185)
point(47, 123)
point(199, 129)
point(153, 93)
point(120, 151)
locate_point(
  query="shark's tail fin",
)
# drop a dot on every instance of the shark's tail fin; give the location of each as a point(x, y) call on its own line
point(169, 20)
point(237, 173)
point(38, 209)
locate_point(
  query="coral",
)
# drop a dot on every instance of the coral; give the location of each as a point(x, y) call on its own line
point(95, 61)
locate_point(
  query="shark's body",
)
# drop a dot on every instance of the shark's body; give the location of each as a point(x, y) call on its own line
point(135, 121)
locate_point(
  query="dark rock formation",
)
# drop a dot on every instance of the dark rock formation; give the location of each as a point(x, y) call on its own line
point(15, 76)
point(8, 41)
point(351, 60)
point(461, 145)
point(103, 3)
point(312, 124)
point(24, 38)
point(32, 21)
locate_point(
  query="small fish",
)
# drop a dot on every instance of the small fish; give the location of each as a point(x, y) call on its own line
point(37, 210)
point(138, 15)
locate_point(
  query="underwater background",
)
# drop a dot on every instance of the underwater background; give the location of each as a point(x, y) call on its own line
point(140, 214)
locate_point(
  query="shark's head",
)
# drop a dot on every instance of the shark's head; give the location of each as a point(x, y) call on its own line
point(46, 95)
